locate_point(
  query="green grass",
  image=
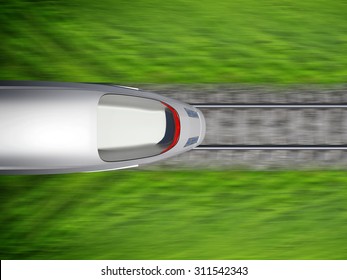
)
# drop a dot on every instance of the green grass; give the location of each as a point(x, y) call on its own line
point(222, 41)
point(175, 215)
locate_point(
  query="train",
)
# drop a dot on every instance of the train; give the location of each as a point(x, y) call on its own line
point(58, 127)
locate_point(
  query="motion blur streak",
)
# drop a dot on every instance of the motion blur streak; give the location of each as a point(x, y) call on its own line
point(175, 215)
point(156, 41)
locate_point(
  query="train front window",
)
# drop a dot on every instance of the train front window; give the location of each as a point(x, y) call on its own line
point(131, 127)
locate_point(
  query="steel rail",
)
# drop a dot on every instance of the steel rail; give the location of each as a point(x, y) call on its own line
point(272, 147)
point(270, 105)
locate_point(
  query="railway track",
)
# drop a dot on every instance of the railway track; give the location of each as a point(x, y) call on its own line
point(217, 146)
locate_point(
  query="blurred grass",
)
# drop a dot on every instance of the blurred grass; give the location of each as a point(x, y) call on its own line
point(152, 41)
point(175, 215)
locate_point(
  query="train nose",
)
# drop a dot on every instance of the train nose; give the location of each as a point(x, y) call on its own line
point(202, 127)
point(197, 127)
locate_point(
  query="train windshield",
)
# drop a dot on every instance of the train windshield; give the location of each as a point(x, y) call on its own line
point(131, 127)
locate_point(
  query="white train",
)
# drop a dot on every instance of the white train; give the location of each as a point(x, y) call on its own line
point(51, 127)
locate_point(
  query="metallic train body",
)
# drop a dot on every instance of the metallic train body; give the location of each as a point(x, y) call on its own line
point(51, 127)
